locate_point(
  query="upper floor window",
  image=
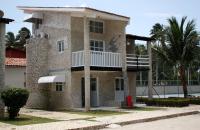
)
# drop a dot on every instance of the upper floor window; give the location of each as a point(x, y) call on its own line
point(96, 45)
point(60, 46)
point(96, 26)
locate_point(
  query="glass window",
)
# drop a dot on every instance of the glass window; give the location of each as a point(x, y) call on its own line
point(96, 45)
point(59, 86)
point(60, 46)
point(93, 84)
point(96, 26)
point(119, 84)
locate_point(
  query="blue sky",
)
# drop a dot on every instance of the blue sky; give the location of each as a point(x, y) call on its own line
point(143, 13)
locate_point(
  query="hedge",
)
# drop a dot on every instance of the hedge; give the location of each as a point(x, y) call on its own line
point(167, 102)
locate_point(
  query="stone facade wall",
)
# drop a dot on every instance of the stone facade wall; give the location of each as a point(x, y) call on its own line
point(106, 82)
point(112, 35)
point(57, 26)
point(37, 66)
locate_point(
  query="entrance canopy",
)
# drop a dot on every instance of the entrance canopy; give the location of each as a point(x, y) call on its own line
point(52, 79)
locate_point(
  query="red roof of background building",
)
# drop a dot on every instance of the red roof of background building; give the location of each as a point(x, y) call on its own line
point(16, 62)
point(15, 53)
point(15, 57)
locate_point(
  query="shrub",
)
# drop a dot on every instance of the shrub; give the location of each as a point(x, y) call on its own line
point(141, 99)
point(170, 102)
point(14, 99)
point(195, 101)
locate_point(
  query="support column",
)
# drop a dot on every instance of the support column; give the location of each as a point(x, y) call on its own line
point(150, 85)
point(2, 65)
point(132, 85)
point(124, 66)
point(87, 64)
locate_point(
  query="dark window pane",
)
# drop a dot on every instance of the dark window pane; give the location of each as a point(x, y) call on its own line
point(117, 85)
point(122, 84)
point(91, 43)
point(101, 24)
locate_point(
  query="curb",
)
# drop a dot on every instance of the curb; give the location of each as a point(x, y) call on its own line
point(97, 127)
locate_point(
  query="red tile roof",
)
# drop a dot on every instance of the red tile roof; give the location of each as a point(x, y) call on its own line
point(16, 62)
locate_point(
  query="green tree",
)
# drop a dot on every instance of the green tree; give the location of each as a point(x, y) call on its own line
point(10, 39)
point(14, 99)
point(21, 37)
point(180, 46)
point(19, 41)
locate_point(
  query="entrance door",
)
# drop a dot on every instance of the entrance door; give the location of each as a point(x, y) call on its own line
point(119, 89)
point(93, 92)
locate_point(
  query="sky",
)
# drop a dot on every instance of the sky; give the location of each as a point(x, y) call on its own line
point(143, 13)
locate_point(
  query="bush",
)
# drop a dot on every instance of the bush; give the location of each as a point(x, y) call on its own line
point(14, 99)
point(170, 102)
point(192, 99)
point(141, 99)
point(195, 101)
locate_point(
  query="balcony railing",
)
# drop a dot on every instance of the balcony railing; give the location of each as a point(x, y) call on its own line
point(97, 58)
point(134, 60)
point(109, 59)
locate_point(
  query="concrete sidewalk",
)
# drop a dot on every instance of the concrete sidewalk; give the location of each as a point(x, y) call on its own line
point(102, 122)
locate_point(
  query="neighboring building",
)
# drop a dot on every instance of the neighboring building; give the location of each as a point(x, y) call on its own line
point(15, 68)
point(79, 57)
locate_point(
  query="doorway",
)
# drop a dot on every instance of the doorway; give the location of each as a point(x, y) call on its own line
point(93, 92)
point(119, 89)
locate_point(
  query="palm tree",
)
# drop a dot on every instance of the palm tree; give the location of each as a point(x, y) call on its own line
point(21, 37)
point(157, 32)
point(180, 48)
point(20, 40)
point(10, 39)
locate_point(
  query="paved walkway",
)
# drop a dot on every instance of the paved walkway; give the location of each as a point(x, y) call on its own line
point(73, 121)
point(180, 123)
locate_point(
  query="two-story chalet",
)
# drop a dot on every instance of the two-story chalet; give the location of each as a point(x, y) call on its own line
point(79, 57)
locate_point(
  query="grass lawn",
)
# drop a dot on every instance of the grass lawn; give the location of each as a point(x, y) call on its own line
point(96, 113)
point(145, 108)
point(26, 120)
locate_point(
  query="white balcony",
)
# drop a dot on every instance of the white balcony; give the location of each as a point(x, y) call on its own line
point(109, 59)
point(133, 60)
point(97, 59)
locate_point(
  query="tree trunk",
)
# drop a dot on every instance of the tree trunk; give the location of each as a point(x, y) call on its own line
point(183, 80)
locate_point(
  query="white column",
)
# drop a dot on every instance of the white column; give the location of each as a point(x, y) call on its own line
point(124, 66)
point(150, 85)
point(68, 68)
point(87, 64)
point(2, 65)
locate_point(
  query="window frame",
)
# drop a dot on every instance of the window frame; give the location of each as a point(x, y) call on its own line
point(97, 47)
point(60, 46)
point(59, 87)
point(120, 84)
point(94, 26)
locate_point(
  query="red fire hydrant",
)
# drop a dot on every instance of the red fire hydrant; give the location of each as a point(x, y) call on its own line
point(129, 101)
